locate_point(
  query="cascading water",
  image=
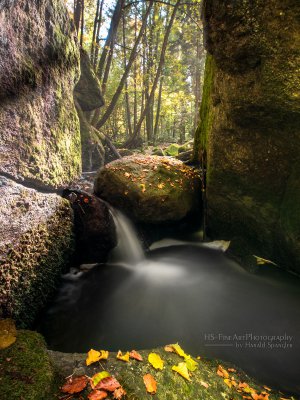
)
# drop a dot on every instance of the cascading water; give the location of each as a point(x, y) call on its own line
point(180, 292)
point(129, 250)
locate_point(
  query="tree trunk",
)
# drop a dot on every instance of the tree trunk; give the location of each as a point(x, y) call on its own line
point(131, 143)
point(132, 57)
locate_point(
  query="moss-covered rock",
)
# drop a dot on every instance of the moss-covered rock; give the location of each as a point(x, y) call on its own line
point(205, 383)
point(249, 128)
point(88, 89)
point(39, 129)
point(26, 371)
point(172, 150)
point(36, 241)
point(149, 188)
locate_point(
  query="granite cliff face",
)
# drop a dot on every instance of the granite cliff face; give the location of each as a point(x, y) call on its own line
point(39, 136)
point(249, 130)
point(39, 147)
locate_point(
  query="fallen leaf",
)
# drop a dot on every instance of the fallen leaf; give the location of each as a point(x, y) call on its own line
point(191, 364)
point(75, 385)
point(150, 383)
point(262, 261)
point(261, 396)
point(231, 370)
point(143, 187)
point(169, 348)
point(181, 368)
point(135, 355)
point(119, 393)
point(123, 357)
point(228, 382)
point(127, 175)
point(222, 372)
point(8, 333)
point(110, 383)
point(205, 384)
point(97, 395)
point(155, 360)
point(98, 377)
point(94, 356)
point(267, 388)
point(160, 185)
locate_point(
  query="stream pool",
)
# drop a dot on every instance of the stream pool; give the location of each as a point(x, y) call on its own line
point(187, 294)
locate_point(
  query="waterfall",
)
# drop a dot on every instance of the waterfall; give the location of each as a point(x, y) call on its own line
point(128, 250)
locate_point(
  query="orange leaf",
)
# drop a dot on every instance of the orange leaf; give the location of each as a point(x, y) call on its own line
point(110, 384)
point(231, 370)
point(169, 349)
point(75, 385)
point(222, 372)
point(119, 393)
point(135, 355)
point(97, 395)
point(150, 383)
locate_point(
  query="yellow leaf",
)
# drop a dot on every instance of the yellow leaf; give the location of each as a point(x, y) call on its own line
point(143, 187)
point(123, 357)
point(98, 377)
point(262, 261)
point(8, 333)
point(160, 185)
point(155, 360)
point(177, 349)
point(94, 356)
point(190, 363)
point(228, 382)
point(181, 368)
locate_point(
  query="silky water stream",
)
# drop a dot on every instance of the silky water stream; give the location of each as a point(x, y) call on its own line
point(181, 292)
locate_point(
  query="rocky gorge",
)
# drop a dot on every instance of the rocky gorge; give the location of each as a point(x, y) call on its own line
point(247, 189)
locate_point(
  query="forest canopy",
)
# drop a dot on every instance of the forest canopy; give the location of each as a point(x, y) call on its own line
point(149, 58)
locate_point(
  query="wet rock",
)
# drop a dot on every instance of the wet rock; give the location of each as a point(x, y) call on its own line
point(39, 135)
point(249, 128)
point(36, 240)
point(94, 227)
point(205, 383)
point(149, 189)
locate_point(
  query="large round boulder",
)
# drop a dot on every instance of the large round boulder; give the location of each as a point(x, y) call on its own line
point(150, 189)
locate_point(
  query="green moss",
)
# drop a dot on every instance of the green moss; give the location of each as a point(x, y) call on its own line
point(25, 369)
point(206, 111)
point(172, 150)
point(30, 270)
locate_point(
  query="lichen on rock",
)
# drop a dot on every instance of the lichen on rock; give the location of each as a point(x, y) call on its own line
point(36, 231)
point(150, 189)
point(39, 136)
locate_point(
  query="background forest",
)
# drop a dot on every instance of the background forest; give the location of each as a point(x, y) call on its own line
point(149, 58)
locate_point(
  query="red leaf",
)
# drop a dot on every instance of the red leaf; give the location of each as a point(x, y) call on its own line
point(134, 354)
point(75, 385)
point(110, 383)
point(97, 395)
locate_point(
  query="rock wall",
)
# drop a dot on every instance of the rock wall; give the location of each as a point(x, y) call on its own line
point(39, 135)
point(250, 127)
point(40, 147)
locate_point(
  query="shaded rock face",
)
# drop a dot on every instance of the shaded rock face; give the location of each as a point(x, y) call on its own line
point(94, 227)
point(249, 129)
point(88, 98)
point(149, 189)
point(39, 135)
point(88, 89)
point(36, 240)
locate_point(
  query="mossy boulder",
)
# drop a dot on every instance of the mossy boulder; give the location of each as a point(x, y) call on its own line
point(39, 128)
point(172, 150)
point(249, 126)
point(149, 188)
point(26, 371)
point(205, 383)
point(158, 151)
point(88, 89)
point(36, 242)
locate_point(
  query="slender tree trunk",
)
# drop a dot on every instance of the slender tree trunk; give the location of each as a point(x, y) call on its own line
point(97, 35)
point(132, 57)
point(127, 105)
point(132, 142)
point(155, 133)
